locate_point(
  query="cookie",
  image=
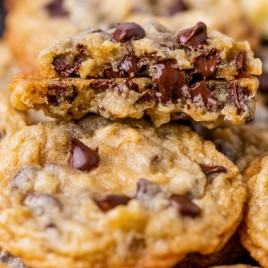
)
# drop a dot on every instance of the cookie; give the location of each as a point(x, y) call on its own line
point(253, 231)
point(94, 193)
point(195, 74)
point(50, 19)
point(241, 144)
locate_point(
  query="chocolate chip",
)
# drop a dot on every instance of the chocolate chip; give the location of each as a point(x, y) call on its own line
point(42, 203)
point(200, 92)
point(236, 96)
point(170, 81)
point(178, 6)
point(65, 66)
point(212, 169)
point(110, 73)
point(131, 65)
point(185, 206)
point(56, 9)
point(111, 201)
point(263, 79)
point(5, 256)
point(193, 37)
point(207, 64)
point(81, 156)
point(241, 61)
point(129, 30)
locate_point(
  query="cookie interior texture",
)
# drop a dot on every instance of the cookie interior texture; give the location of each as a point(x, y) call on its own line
point(146, 196)
point(253, 232)
point(196, 73)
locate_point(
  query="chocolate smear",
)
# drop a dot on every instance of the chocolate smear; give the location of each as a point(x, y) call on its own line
point(56, 9)
point(185, 206)
point(111, 201)
point(201, 93)
point(82, 157)
point(207, 64)
point(241, 61)
point(193, 37)
point(170, 81)
point(212, 169)
point(127, 31)
point(236, 96)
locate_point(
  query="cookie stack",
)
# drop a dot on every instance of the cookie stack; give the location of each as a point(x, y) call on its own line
point(119, 180)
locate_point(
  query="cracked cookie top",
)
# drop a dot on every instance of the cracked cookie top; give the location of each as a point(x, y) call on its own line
point(97, 193)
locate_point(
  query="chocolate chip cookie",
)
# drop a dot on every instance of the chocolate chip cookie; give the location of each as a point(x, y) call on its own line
point(241, 144)
point(41, 21)
point(94, 193)
point(253, 231)
point(134, 70)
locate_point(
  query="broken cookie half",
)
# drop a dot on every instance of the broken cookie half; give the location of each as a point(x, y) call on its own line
point(134, 70)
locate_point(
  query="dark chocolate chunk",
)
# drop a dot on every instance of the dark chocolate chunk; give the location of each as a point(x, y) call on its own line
point(42, 203)
point(170, 81)
point(206, 64)
point(56, 9)
point(263, 79)
point(200, 92)
point(131, 65)
point(52, 100)
point(241, 61)
point(81, 156)
point(178, 6)
point(236, 96)
point(193, 37)
point(185, 206)
point(129, 30)
point(111, 201)
point(212, 169)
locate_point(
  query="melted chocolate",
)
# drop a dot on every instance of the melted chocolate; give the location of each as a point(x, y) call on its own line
point(207, 64)
point(193, 37)
point(66, 68)
point(236, 96)
point(241, 61)
point(170, 81)
point(212, 169)
point(111, 201)
point(131, 65)
point(127, 31)
point(56, 9)
point(185, 206)
point(201, 93)
point(81, 156)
